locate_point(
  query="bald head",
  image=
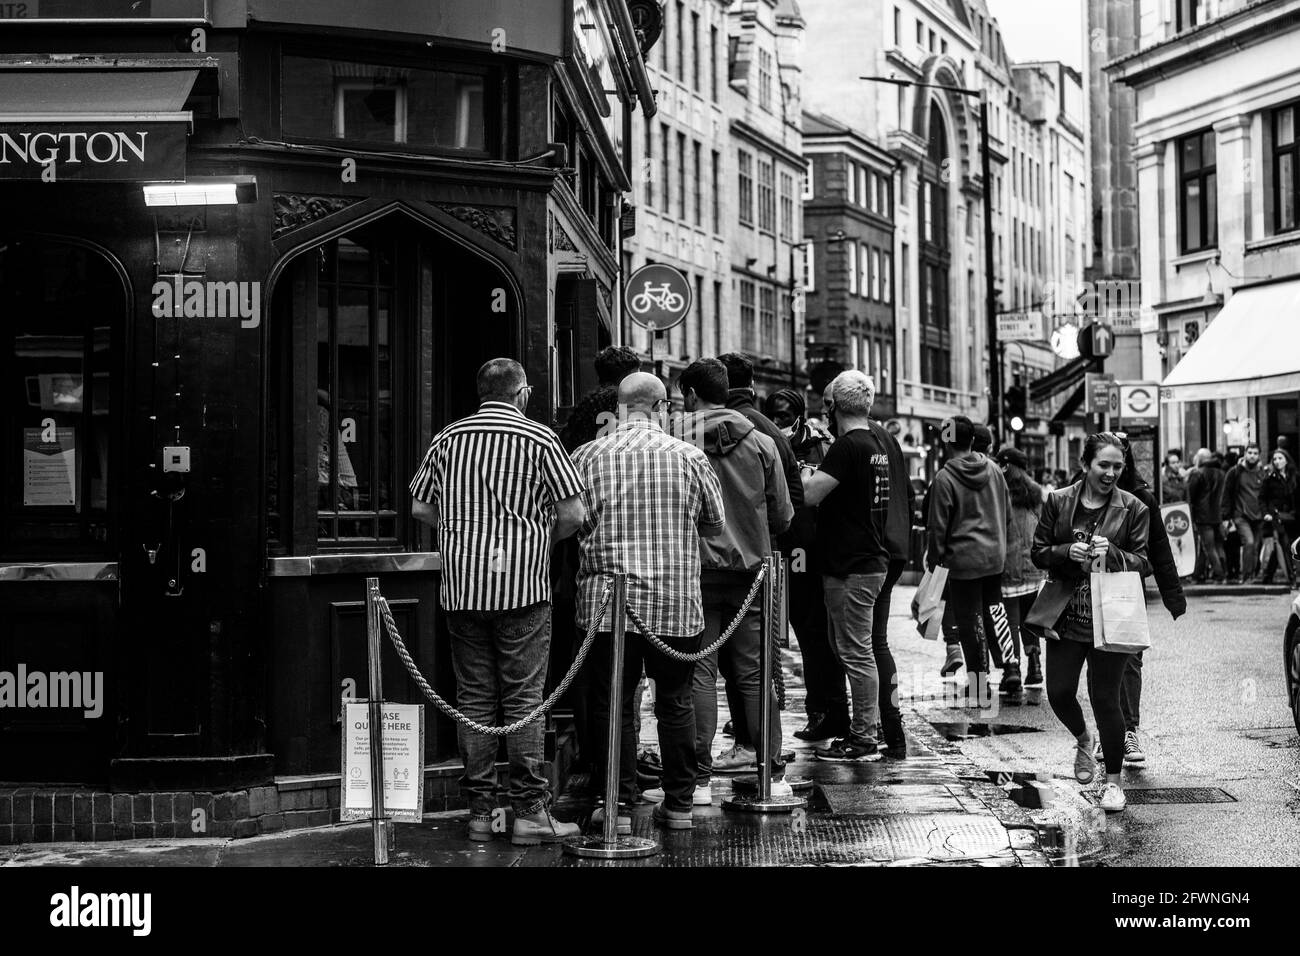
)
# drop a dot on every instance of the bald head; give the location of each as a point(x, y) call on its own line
point(639, 392)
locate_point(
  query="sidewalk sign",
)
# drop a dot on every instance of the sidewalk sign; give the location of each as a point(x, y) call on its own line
point(403, 748)
point(1178, 525)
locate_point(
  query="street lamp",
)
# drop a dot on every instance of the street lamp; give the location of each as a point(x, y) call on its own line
point(991, 322)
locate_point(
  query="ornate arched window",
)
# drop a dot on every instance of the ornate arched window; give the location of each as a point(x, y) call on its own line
point(935, 255)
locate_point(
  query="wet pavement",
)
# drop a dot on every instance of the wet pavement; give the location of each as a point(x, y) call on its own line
point(1223, 756)
point(913, 812)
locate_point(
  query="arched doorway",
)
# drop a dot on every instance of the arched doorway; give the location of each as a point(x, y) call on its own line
point(376, 335)
point(63, 319)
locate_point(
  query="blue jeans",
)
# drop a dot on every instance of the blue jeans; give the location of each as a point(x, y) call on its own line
point(850, 608)
point(724, 592)
point(500, 659)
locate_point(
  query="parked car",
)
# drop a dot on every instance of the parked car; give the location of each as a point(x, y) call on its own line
point(1291, 651)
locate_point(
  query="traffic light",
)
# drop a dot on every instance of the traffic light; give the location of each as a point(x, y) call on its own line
point(1015, 407)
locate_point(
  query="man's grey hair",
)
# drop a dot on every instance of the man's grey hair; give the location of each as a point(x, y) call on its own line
point(853, 393)
point(500, 379)
point(1202, 454)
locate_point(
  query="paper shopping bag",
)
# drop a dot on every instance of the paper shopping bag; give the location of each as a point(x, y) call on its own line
point(1119, 613)
point(931, 627)
point(929, 593)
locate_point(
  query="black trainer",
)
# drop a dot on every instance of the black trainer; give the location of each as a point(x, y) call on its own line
point(848, 750)
point(895, 740)
point(824, 727)
point(1010, 682)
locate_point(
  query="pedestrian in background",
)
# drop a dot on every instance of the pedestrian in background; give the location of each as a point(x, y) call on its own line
point(1021, 579)
point(1241, 487)
point(597, 409)
point(1173, 478)
point(649, 499)
point(1205, 495)
point(498, 490)
point(968, 536)
point(1278, 502)
point(1165, 569)
point(757, 503)
point(826, 703)
point(1093, 517)
point(851, 490)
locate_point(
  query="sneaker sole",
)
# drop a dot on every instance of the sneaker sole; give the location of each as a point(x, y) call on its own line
point(1114, 809)
point(671, 824)
point(539, 840)
point(865, 758)
point(1135, 761)
point(748, 768)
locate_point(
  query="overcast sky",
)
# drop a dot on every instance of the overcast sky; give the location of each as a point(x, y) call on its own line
point(1041, 29)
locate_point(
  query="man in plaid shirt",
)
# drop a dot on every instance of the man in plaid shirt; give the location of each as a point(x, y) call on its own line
point(649, 498)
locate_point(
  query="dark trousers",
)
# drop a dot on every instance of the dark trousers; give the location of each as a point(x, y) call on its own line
point(880, 645)
point(822, 672)
point(500, 659)
point(724, 593)
point(1211, 557)
point(1280, 559)
point(1130, 697)
point(673, 710)
point(979, 599)
point(1017, 610)
point(1065, 661)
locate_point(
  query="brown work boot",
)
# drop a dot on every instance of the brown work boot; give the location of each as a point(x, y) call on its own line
point(480, 827)
point(541, 827)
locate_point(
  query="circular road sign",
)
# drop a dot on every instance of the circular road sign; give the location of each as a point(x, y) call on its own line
point(657, 297)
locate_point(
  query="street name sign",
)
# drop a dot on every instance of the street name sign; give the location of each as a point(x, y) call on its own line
point(1020, 327)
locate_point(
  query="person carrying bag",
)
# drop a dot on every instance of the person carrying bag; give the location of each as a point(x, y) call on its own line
point(1092, 524)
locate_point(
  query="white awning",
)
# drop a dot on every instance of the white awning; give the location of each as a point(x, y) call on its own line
point(1251, 348)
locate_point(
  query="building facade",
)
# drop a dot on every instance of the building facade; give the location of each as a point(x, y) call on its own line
point(849, 251)
point(720, 183)
point(236, 330)
point(1220, 237)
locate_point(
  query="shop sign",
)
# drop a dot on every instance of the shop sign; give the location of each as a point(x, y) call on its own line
point(403, 746)
point(133, 10)
point(109, 151)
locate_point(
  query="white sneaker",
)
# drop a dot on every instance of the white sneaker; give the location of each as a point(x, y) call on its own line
point(702, 797)
point(781, 789)
point(1112, 798)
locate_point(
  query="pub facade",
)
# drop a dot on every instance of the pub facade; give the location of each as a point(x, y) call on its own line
point(252, 253)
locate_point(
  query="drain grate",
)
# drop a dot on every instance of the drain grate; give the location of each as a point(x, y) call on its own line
point(1167, 795)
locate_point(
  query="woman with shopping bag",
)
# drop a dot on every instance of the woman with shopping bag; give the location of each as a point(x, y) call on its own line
point(1090, 527)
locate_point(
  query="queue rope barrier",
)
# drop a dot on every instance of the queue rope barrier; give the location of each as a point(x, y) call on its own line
point(684, 657)
point(579, 659)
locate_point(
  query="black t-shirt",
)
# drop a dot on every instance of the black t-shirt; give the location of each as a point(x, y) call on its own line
point(851, 521)
point(1078, 615)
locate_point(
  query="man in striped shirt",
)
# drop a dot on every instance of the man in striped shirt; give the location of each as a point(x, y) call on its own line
point(498, 490)
point(649, 498)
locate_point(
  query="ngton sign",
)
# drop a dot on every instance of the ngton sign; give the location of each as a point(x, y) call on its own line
point(133, 152)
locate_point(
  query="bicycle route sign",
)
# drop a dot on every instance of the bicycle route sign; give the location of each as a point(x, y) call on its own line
point(657, 297)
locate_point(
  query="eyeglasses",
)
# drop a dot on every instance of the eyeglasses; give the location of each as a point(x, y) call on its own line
point(524, 388)
point(662, 404)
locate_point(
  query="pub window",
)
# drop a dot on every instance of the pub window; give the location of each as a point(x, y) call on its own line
point(378, 103)
point(356, 473)
point(1198, 192)
point(747, 314)
point(61, 307)
point(1286, 168)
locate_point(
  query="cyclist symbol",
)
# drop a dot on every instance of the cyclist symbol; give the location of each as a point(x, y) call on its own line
point(660, 297)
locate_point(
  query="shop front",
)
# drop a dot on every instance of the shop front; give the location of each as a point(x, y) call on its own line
point(1237, 374)
point(226, 347)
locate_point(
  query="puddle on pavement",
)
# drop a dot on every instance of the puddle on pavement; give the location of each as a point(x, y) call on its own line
point(959, 730)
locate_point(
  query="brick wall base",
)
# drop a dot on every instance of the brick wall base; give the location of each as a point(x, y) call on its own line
point(46, 815)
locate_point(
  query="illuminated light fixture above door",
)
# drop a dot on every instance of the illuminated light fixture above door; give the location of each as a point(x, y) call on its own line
point(203, 191)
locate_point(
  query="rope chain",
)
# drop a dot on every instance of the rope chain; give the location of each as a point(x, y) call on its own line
point(391, 626)
point(685, 658)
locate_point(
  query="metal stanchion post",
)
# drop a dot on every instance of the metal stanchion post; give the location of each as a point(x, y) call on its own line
point(774, 616)
point(379, 825)
point(609, 845)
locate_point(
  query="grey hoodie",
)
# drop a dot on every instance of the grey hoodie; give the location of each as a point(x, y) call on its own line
point(967, 524)
point(755, 495)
